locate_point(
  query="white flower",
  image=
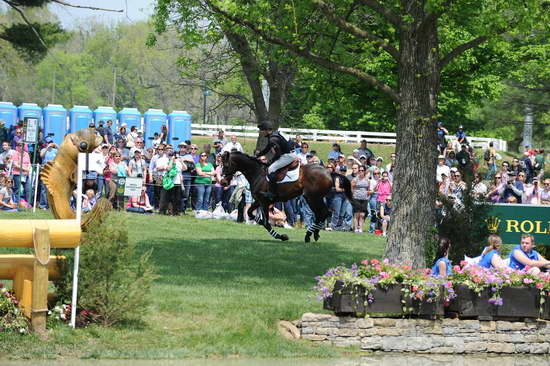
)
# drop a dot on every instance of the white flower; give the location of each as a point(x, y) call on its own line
point(22, 330)
point(3, 290)
point(62, 316)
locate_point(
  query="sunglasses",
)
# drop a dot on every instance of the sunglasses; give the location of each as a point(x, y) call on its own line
point(361, 170)
point(193, 148)
point(203, 155)
point(497, 176)
point(160, 149)
point(522, 175)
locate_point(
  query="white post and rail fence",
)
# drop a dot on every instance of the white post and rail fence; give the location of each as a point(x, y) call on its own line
point(331, 135)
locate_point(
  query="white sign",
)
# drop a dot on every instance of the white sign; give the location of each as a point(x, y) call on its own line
point(133, 187)
point(31, 130)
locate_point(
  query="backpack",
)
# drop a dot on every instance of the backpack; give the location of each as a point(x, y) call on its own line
point(487, 155)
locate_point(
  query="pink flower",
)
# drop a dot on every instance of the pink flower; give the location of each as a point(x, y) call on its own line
point(386, 261)
point(365, 262)
point(539, 286)
point(476, 279)
point(527, 281)
point(384, 275)
point(456, 269)
point(463, 263)
point(414, 288)
point(449, 284)
point(375, 261)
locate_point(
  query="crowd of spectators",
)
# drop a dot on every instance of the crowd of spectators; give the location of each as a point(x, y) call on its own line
point(520, 180)
point(177, 179)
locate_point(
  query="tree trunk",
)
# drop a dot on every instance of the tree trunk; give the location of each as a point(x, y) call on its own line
point(414, 189)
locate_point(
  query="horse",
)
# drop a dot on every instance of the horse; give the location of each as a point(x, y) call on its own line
point(314, 182)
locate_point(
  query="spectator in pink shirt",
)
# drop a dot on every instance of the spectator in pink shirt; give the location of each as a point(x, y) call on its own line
point(21, 175)
point(383, 188)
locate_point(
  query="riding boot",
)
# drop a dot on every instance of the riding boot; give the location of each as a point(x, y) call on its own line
point(271, 194)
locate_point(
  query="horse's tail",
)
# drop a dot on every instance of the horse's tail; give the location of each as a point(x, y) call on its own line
point(346, 183)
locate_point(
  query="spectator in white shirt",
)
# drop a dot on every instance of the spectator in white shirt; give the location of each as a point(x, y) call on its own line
point(442, 168)
point(6, 150)
point(233, 144)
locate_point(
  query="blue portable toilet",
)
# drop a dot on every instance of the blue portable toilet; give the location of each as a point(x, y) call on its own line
point(104, 114)
point(55, 122)
point(30, 110)
point(179, 127)
point(8, 114)
point(130, 117)
point(154, 120)
point(80, 117)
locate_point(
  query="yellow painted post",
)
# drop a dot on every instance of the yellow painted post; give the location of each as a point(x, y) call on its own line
point(41, 239)
point(25, 300)
point(22, 273)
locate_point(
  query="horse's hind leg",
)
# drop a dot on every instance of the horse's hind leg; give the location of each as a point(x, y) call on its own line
point(265, 221)
point(319, 208)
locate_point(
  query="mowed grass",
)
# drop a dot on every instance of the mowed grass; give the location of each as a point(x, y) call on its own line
point(221, 290)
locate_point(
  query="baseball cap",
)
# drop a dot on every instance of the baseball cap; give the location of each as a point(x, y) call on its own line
point(363, 157)
point(441, 157)
point(380, 158)
point(453, 169)
point(134, 150)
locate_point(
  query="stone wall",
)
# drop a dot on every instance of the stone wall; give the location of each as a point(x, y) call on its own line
point(428, 336)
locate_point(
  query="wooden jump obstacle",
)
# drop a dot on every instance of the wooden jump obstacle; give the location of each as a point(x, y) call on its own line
point(31, 273)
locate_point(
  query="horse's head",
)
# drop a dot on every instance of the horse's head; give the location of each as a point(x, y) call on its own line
point(228, 169)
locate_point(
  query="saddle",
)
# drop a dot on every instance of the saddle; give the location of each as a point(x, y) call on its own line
point(281, 174)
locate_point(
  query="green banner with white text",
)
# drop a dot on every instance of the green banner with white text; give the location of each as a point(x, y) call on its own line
point(512, 220)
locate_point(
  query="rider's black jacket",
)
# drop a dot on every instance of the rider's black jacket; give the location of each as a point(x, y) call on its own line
point(277, 144)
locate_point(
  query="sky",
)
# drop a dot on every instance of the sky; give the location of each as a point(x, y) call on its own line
point(134, 10)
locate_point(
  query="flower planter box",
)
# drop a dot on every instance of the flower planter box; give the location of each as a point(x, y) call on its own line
point(546, 308)
point(517, 303)
point(352, 300)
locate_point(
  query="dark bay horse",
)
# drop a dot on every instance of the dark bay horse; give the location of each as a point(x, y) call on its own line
point(314, 182)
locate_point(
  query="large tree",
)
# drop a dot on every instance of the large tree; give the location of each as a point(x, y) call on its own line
point(420, 38)
point(204, 27)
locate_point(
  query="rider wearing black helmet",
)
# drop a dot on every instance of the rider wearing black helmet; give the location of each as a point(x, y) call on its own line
point(282, 155)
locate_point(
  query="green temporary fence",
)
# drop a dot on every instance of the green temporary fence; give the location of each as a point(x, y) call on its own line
point(510, 221)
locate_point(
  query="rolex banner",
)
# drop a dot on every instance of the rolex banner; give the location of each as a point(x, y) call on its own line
point(512, 220)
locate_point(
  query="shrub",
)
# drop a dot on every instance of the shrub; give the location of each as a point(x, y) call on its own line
point(114, 283)
point(465, 225)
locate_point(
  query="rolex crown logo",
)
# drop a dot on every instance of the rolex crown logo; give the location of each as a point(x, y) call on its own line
point(492, 224)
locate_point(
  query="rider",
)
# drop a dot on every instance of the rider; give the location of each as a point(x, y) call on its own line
point(282, 156)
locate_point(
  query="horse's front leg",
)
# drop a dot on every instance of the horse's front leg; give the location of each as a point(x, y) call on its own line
point(267, 225)
point(250, 211)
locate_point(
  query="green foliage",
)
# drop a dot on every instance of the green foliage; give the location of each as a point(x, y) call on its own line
point(23, 38)
point(114, 282)
point(465, 226)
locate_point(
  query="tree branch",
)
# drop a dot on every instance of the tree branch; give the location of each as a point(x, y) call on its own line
point(382, 10)
point(28, 22)
point(457, 51)
point(61, 2)
point(436, 14)
point(369, 79)
point(355, 30)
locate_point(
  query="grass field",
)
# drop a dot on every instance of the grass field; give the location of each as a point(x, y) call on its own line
point(222, 288)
